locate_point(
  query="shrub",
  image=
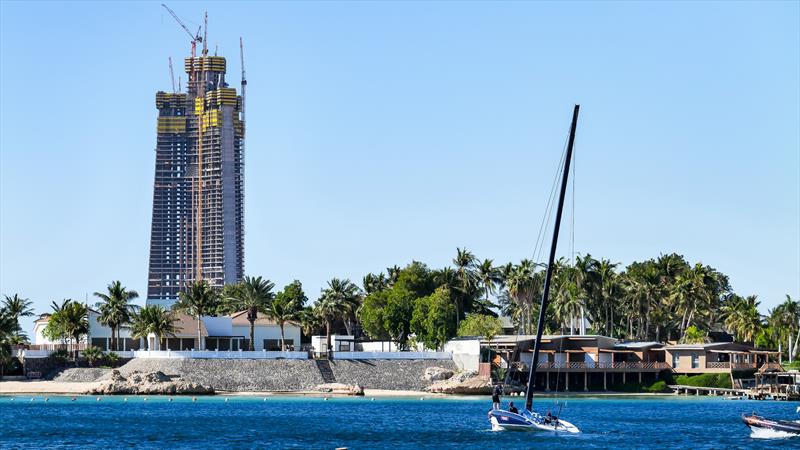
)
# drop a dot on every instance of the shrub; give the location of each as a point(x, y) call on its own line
point(720, 380)
point(658, 386)
point(92, 354)
point(112, 358)
point(61, 355)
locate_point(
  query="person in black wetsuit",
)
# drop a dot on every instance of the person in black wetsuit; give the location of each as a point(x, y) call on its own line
point(512, 408)
point(496, 393)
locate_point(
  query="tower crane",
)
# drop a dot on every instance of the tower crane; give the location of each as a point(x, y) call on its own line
point(172, 75)
point(196, 37)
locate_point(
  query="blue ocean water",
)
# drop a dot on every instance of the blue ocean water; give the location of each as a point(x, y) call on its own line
point(358, 423)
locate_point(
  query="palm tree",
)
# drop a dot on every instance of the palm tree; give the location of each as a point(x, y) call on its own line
point(153, 319)
point(8, 330)
point(338, 300)
point(349, 296)
point(16, 307)
point(71, 320)
point(282, 309)
point(115, 309)
point(786, 317)
point(374, 283)
point(464, 263)
point(489, 277)
point(197, 300)
point(254, 297)
point(609, 290)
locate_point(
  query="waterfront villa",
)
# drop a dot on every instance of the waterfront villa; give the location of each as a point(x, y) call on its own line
point(224, 333)
point(581, 362)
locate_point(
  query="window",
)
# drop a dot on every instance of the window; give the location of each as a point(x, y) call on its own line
point(675, 360)
point(99, 342)
point(274, 345)
point(695, 361)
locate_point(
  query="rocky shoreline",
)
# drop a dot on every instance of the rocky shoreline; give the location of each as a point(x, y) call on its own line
point(148, 383)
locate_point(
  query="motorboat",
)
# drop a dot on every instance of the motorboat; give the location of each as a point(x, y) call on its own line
point(757, 423)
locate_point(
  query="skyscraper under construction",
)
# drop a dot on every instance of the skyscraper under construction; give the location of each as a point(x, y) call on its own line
point(198, 198)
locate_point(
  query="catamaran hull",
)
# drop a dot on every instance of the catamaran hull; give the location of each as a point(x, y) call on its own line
point(508, 421)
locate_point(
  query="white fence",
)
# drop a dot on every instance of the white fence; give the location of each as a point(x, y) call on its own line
point(37, 354)
point(191, 354)
point(392, 355)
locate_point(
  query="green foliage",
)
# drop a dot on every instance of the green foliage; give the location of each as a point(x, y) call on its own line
point(658, 386)
point(69, 321)
point(198, 300)
point(397, 314)
point(286, 306)
point(153, 319)
point(717, 380)
point(115, 309)
point(694, 336)
point(15, 307)
point(61, 355)
point(112, 358)
point(387, 313)
point(480, 325)
point(433, 318)
point(371, 314)
point(92, 354)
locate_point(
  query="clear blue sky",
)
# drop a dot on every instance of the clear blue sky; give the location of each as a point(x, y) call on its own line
point(384, 132)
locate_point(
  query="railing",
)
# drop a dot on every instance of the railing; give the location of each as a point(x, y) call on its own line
point(770, 366)
point(191, 354)
point(393, 355)
point(718, 365)
point(637, 365)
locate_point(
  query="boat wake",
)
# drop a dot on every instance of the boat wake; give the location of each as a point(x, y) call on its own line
point(766, 433)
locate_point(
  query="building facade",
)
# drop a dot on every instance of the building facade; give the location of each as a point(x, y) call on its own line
point(197, 227)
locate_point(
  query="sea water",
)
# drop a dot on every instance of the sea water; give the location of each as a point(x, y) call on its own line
point(356, 423)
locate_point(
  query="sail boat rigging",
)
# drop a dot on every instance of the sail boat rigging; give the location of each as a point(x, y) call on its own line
point(528, 419)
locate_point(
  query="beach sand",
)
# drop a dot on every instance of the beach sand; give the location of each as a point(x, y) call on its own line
point(44, 387)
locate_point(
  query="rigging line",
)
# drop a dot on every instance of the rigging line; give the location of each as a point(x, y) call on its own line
point(537, 250)
point(550, 205)
point(572, 213)
point(548, 208)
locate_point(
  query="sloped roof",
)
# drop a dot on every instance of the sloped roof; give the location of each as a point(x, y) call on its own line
point(240, 319)
point(186, 325)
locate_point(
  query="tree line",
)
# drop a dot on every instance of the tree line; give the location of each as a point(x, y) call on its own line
point(662, 299)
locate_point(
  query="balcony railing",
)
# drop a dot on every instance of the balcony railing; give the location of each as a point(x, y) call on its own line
point(592, 365)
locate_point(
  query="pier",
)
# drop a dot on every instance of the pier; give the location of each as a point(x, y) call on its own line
point(762, 392)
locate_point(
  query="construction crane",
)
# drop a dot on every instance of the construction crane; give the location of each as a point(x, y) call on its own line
point(195, 37)
point(172, 75)
point(244, 78)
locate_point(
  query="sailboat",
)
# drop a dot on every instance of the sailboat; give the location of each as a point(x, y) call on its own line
point(528, 419)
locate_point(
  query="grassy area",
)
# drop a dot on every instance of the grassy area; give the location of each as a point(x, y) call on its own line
point(795, 365)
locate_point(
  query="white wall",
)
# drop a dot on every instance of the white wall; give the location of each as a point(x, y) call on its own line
point(262, 332)
point(466, 353)
point(386, 346)
point(319, 342)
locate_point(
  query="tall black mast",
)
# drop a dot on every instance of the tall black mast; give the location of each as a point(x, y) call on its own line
point(549, 275)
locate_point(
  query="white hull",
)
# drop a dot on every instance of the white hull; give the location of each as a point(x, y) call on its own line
point(561, 427)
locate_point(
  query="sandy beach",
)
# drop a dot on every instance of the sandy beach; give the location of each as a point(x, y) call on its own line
point(44, 387)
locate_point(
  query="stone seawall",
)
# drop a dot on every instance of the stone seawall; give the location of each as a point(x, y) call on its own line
point(290, 375)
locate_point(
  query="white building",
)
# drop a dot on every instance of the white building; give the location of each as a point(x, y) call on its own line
point(219, 333)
